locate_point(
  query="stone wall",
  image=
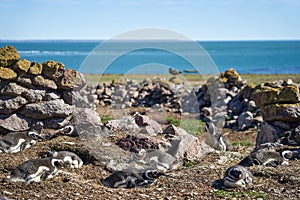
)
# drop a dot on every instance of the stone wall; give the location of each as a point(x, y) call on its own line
point(280, 106)
point(34, 94)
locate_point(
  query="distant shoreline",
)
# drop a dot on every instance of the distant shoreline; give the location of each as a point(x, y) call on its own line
point(194, 79)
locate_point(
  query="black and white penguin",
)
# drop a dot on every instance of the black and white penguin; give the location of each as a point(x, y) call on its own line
point(237, 176)
point(215, 139)
point(123, 179)
point(156, 159)
point(267, 158)
point(35, 170)
point(18, 141)
point(69, 158)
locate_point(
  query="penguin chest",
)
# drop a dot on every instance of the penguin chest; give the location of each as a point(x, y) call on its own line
point(41, 174)
point(19, 146)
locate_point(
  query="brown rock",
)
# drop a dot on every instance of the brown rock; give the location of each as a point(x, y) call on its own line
point(281, 112)
point(8, 56)
point(14, 123)
point(53, 70)
point(35, 68)
point(7, 74)
point(71, 80)
point(46, 83)
point(21, 65)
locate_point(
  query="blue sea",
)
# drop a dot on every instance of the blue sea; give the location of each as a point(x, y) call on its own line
point(254, 57)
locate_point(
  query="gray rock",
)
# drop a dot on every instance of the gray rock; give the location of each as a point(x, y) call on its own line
point(151, 127)
point(185, 145)
point(245, 120)
point(32, 95)
point(124, 124)
point(14, 122)
point(86, 116)
point(11, 104)
point(47, 109)
point(268, 134)
point(51, 96)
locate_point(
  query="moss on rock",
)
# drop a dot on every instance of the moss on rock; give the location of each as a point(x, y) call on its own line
point(22, 65)
point(265, 95)
point(53, 70)
point(8, 56)
point(281, 112)
point(35, 68)
point(7, 74)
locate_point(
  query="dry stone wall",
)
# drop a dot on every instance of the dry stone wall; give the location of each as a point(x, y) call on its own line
point(33, 93)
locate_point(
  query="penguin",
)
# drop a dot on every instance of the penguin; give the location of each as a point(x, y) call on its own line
point(127, 179)
point(174, 71)
point(237, 176)
point(267, 158)
point(18, 141)
point(214, 138)
point(35, 170)
point(157, 159)
point(119, 179)
point(67, 130)
point(69, 158)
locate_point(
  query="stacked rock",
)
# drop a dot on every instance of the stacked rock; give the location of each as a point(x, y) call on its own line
point(155, 93)
point(32, 93)
point(230, 90)
point(280, 107)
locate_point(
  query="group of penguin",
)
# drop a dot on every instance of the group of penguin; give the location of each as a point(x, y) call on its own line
point(39, 169)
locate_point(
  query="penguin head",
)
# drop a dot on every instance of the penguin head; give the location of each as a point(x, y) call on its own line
point(33, 135)
point(67, 130)
point(58, 163)
point(152, 174)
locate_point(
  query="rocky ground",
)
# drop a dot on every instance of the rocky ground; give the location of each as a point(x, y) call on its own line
point(196, 180)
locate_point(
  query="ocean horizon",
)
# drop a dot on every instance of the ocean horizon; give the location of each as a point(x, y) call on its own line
point(247, 57)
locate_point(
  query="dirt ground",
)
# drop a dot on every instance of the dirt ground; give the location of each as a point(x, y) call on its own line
point(201, 180)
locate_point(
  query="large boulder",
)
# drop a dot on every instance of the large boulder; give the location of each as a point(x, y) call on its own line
point(84, 117)
point(11, 104)
point(7, 74)
point(8, 56)
point(184, 145)
point(150, 126)
point(47, 109)
point(281, 112)
point(265, 95)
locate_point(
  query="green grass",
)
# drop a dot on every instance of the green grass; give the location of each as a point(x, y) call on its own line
point(105, 118)
point(194, 79)
point(238, 194)
point(244, 144)
point(192, 126)
point(188, 163)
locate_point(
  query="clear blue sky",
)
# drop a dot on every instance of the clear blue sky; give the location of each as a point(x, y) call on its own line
point(197, 19)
